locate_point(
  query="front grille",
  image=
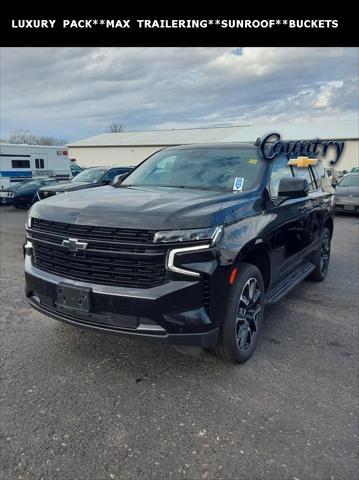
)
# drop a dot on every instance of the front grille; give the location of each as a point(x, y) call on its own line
point(130, 235)
point(114, 256)
point(100, 269)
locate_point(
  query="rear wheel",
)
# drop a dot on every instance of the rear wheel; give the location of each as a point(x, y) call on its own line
point(243, 317)
point(321, 257)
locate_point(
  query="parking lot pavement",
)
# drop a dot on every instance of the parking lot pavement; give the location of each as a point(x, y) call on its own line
point(79, 405)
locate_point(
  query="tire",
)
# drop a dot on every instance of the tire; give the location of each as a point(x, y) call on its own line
point(321, 257)
point(242, 324)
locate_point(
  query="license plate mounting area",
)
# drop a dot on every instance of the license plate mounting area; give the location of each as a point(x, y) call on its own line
point(74, 298)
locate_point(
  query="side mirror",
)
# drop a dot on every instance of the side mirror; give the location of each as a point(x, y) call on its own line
point(293, 187)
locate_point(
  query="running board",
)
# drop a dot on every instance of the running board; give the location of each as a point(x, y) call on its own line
point(283, 287)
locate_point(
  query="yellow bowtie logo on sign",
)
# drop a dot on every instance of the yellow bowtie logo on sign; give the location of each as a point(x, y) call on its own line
point(302, 162)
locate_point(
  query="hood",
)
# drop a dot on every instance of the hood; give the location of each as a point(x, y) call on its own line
point(146, 208)
point(69, 187)
point(346, 191)
point(12, 188)
point(25, 190)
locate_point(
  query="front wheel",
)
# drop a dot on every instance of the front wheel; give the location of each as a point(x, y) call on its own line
point(243, 317)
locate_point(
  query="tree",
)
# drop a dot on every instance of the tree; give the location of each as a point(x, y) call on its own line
point(116, 127)
point(25, 136)
point(20, 136)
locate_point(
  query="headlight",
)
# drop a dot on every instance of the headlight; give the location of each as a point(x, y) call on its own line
point(28, 221)
point(192, 235)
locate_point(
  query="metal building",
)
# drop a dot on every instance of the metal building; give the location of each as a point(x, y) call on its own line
point(130, 148)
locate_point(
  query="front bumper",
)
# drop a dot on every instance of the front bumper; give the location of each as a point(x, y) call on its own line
point(6, 201)
point(6, 198)
point(347, 204)
point(171, 313)
point(23, 201)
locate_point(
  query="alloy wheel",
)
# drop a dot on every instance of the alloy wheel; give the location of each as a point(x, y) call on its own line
point(248, 314)
point(324, 254)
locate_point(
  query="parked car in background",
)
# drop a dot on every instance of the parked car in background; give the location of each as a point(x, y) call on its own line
point(347, 194)
point(7, 194)
point(354, 170)
point(24, 194)
point(88, 178)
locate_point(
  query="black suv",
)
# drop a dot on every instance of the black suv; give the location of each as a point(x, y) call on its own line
point(188, 249)
point(88, 178)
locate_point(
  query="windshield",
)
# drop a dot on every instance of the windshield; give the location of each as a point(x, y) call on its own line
point(222, 169)
point(350, 181)
point(91, 175)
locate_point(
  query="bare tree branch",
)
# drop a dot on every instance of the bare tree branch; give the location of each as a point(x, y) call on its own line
point(115, 127)
point(25, 136)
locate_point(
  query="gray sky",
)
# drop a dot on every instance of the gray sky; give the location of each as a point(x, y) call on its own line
point(75, 93)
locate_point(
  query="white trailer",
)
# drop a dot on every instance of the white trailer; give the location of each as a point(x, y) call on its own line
point(21, 162)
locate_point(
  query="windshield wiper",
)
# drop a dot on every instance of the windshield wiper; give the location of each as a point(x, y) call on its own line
point(173, 186)
point(196, 188)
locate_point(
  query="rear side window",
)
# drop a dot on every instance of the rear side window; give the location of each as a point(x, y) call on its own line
point(309, 175)
point(20, 163)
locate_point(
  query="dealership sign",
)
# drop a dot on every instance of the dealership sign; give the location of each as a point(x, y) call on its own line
point(271, 146)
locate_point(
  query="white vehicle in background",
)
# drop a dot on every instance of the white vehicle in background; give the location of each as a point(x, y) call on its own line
point(23, 162)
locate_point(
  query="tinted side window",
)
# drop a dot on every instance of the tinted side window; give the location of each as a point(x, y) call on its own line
point(20, 163)
point(109, 176)
point(305, 173)
point(280, 169)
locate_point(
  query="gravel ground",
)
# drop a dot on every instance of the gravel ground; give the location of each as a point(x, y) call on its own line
point(80, 405)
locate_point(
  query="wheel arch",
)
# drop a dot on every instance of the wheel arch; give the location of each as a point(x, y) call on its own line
point(329, 224)
point(256, 254)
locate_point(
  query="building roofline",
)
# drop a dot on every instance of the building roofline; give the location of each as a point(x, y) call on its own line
point(331, 130)
point(163, 145)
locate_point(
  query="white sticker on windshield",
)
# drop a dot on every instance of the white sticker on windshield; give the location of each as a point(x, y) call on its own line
point(238, 184)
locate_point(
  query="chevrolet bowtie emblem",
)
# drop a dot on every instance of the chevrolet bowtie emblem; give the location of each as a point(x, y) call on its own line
point(74, 245)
